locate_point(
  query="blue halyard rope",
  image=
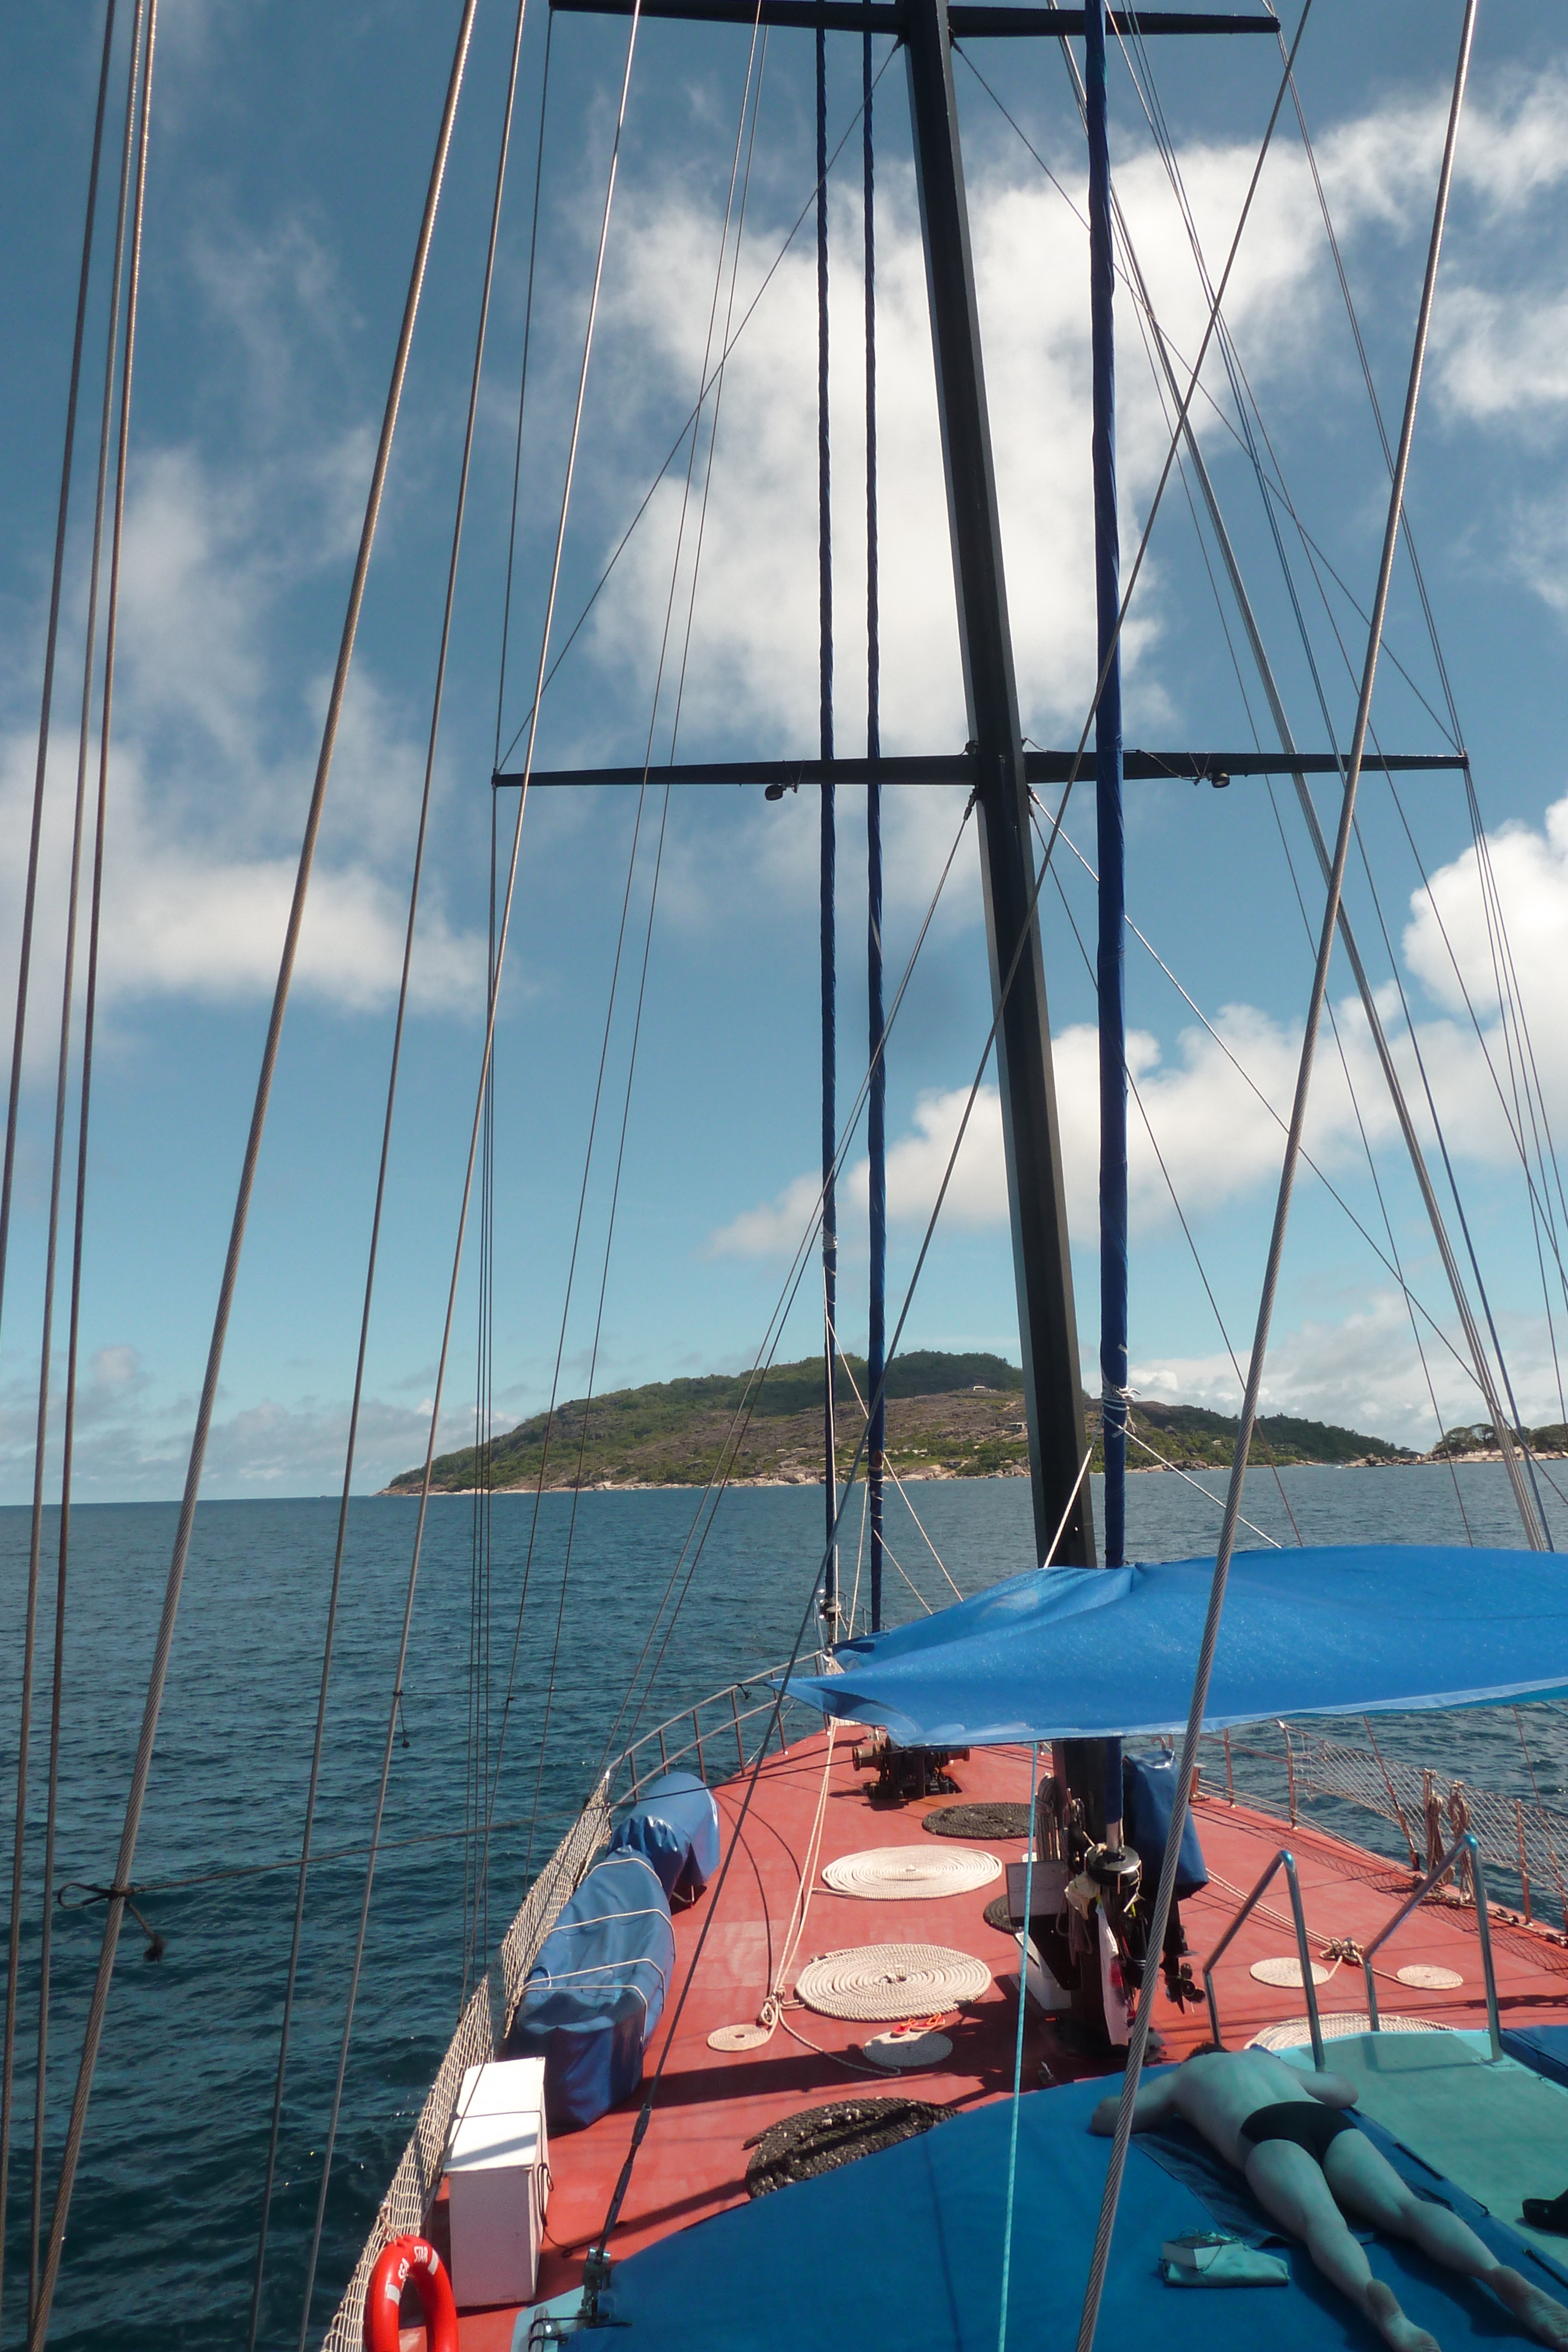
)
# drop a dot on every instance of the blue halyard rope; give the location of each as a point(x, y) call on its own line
point(1111, 960)
point(876, 1127)
point(1017, 2052)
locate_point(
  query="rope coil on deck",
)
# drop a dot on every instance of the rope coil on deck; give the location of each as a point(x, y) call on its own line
point(902, 1874)
point(889, 1982)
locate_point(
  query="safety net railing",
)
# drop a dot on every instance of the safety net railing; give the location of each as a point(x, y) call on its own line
point(481, 2032)
point(717, 1738)
point(1419, 1811)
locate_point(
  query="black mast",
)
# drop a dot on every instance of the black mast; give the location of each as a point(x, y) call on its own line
point(1047, 1331)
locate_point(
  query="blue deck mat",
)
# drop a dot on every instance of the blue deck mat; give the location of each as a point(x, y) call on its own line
point(901, 2252)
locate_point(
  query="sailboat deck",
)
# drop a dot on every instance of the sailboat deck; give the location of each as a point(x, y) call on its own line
point(711, 2106)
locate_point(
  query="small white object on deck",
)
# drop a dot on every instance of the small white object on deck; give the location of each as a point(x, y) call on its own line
point(1286, 1970)
point(903, 1874)
point(889, 1982)
point(497, 2177)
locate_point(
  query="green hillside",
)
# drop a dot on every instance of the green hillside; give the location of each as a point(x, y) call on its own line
point(947, 1416)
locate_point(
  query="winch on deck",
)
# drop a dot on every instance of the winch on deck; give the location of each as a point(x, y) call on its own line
point(904, 1773)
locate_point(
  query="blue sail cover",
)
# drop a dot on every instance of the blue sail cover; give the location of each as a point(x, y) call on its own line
point(1088, 1653)
point(597, 1991)
point(674, 1825)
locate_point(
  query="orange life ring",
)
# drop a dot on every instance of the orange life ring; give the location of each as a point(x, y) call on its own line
point(405, 2259)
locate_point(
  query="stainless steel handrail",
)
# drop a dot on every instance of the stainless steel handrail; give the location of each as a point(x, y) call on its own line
point(1286, 1860)
point(1483, 1930)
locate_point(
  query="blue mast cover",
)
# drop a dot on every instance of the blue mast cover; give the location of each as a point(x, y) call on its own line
point(1098, 1654)
point(1110, 953)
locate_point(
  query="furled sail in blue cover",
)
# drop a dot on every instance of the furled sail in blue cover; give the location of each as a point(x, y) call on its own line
point(674, 1825)
point(1086, 1653)
point(597, 1991)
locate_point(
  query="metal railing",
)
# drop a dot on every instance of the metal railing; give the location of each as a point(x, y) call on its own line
point(1290, 1771)
point(1286, 1860)
point(1467, 1845)
point(486, 2022)
point(724, 1717)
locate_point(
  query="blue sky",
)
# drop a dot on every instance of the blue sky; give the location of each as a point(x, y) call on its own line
point(288, 157)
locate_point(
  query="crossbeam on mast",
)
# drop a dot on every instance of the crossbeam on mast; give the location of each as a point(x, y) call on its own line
point(965, 20)
point(959, 768)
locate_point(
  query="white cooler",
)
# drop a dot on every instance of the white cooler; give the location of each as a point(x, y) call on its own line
point(497, 2175)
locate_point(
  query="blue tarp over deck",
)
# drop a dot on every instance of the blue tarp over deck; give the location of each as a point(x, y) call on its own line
point(1084, 1653)
point(901, 2252)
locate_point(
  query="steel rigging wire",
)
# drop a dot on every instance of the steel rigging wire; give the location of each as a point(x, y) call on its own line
point(125, 1862)
point(755, 60)
point(13, 1955)
point(410, 1588)
point(1183, 1787)
point(373, 1245)
point(132, 274)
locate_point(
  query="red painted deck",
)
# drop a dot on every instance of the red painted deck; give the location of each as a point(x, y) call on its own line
point(710, 2105)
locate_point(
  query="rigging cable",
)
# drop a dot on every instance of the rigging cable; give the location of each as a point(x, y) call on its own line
point(1491, 900)
point(728, 1452)
point(1121, 621)
point(135, 1799)
point(127, 270)
point(1192, 1246)
point(1182, 1789)
point(502, 935)
point(394, 1069)
point(1529, 1506)
point(127, 264)
point(876, 1111)
point(672, 452)
point(1238, 381)
point(754, 59)
point(24, 1738)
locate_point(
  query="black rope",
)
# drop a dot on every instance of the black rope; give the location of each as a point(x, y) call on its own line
point(8, 2067)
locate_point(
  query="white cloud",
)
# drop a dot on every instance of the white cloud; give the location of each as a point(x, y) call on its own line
point(1216, 1102)
point(212, 767)
point(1362, 1372)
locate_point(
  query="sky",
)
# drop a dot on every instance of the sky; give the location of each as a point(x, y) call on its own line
point(290, 151)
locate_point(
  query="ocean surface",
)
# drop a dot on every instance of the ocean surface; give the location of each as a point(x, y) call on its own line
point(163, 2240)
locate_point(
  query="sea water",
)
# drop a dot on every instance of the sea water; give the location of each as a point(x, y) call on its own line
point(163, 2239)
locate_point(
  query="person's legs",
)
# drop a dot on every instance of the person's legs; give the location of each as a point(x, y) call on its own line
point(1362, 2181)
point(1292, 2187)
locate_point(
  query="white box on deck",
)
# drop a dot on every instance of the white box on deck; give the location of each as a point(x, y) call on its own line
point(498, 2178)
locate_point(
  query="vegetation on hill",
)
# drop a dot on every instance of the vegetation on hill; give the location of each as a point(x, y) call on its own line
point(1481, 1437)
point(958, 1416)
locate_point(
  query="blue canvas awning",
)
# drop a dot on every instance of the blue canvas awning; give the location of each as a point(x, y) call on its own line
point(1077, 1653)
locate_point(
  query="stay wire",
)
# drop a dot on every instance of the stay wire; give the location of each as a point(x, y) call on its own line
point(1307, 1160)
point(24, 1741)
point(1182, 1789)
point(741, 1420)
point(522, 394)
point(1134, 1091)
point(677, 443)
point(51, 645)
point(647, 761)
point(383, 1162)
point(1126, 603)
point(494, 993)
point(127, 270)
point(1247, 409)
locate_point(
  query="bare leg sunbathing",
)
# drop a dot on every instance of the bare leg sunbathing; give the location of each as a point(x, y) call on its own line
point(1308, 2166)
